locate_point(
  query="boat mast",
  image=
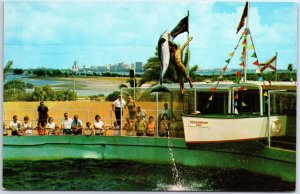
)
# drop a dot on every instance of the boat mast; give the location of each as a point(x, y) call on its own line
point(246, 46)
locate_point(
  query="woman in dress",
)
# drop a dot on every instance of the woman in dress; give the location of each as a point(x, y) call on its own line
point(130, 104)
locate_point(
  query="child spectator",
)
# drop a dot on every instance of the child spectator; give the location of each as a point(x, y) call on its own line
point(129, 127)
point(116, 129)
point(27, 126)
point(5, 132)
point(140, 126)
point(99, 126)
point(41, 128)
point(151, 127)
point(164, 126)
point(88, 129)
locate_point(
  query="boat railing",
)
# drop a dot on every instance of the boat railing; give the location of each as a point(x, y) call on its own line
point(285, 101)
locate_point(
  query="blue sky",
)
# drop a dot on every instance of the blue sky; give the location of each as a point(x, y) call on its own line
point(55, 33)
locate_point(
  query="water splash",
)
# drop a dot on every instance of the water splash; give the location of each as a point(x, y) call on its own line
point(177, 181)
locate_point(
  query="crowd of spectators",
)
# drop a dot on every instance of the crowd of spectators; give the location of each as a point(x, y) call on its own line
point(137, 124)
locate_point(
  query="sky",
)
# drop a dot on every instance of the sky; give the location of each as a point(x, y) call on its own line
point(53, 34)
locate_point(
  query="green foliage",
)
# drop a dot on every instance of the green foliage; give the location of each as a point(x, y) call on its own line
point(29, 85)
point(113, 96)
point(14, 84)
point(151, 71)
point(290, 67)
point(14, 94)
point(18, 71)
point(7, 68)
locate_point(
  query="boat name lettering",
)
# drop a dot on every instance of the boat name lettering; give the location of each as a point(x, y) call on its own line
point(195, 123)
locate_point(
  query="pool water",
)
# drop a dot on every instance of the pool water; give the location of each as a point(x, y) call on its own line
point(99, 175)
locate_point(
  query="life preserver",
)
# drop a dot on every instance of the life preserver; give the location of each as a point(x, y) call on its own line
point(276, 127)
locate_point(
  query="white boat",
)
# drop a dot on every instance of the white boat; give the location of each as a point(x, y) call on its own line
point(231, 127)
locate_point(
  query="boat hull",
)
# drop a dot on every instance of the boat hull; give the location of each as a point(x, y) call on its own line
point(230, 128)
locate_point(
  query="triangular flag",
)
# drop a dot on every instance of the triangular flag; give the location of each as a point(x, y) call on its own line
point(242, 64)
point(254, 55)
point(212, 90)
point(244, 41)
point(238, 73)
point(265, 94)
point(261, 79)
point(228, 60)
point(210, 98)
point(207, 105)
point(246, 31)
point(244, 104)
point(243, 52)
point(256, 63)
point(251, 47)
point(231, 54)
point(224, 68)
point(236, 111)
point(258, 71)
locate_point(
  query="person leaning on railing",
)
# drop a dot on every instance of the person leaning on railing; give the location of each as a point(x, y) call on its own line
point(88, 129)
point(41, 128)
point(140, 126)
point(15, 126)
point(53, 129)
point(5, 127)
point(66, 124)
point(164, 126)
point(27, 127)
point(151, 127)
point(99, 126)
point(77, 126)
point(129, 127)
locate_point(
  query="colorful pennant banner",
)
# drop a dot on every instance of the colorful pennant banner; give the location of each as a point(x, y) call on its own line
point(254, 55)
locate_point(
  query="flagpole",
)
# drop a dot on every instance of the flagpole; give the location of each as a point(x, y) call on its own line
point(246, 53)
point(276, 67)
point(188, 36)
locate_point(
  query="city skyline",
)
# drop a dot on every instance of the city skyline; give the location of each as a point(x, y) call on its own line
point(55, 33)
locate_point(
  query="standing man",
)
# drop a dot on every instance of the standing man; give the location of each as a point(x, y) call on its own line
point(43, 113)
point(116, 106)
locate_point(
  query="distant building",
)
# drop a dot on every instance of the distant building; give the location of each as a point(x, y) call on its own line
point(138, 66)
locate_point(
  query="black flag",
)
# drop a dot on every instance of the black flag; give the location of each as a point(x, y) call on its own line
point(182, 26)
point(244, 15)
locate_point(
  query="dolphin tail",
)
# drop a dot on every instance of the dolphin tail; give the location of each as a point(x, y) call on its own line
point(160, 89)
